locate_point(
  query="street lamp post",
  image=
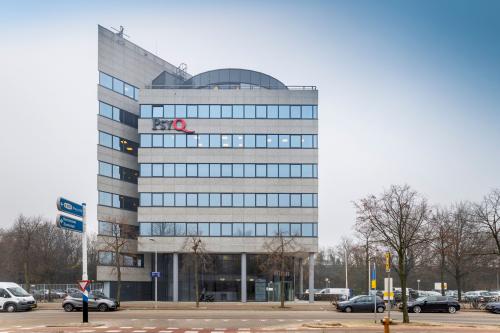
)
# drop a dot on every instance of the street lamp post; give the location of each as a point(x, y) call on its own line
point(418, 287)
point(156, 277)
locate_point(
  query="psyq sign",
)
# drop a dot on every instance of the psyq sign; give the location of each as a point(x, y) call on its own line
point(165, 124)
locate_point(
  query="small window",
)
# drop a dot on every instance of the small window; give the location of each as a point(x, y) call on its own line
point(249, 229)
point(192, 111)
point(145, 199)
point(118, 86)
point(105, 80)
point(272, 111)
point(260, 229)
point(169, 111)
point(105, 169)
point(261, 112)
point(237, 111)
point(284, 111)
point(158, 111)
point(145, 170)
point(180, 170)
point(249, 111)
point(215, 229)
point(238, 230)
point(203, 229)
point(146, 140)
point(307, 112)
point(192, 170)
point(203, 111)
point(145, 229)
point(226, 229)
point(129, 91)
point(227, 111)
point(295, 112)
point(180, 229)
point(105, 110)
point(215, 111)
point(180, 111)
point(157, 170)
point(146, 111)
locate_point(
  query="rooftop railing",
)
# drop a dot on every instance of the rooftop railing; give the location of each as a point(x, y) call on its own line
point(229, 86)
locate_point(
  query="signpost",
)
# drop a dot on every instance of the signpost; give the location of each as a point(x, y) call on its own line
point(388, 293)
point(374, 287)
point(77, 225)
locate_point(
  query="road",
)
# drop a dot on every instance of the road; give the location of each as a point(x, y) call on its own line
point(201, 321)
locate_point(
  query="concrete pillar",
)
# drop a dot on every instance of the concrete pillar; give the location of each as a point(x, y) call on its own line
point(301, 277)
point(311, 277)
point(243, 277)
point(175, 277)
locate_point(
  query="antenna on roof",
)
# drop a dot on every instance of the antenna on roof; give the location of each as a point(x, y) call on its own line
point(181, 70)
point(120, 32)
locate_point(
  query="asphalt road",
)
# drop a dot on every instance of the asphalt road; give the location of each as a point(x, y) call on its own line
point(200, 321)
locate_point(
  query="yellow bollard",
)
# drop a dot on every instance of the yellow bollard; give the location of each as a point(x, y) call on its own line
point(386, 322)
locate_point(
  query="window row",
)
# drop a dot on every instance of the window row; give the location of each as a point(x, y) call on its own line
point(304, 141)
point(118, 201)
point(234, 170)
point(232, 229)
point(178, 199)
point(230, 111)
point(118, 172)
point(118, 86)
point(107, 258)
point(116, 114)
point(118, 230)
point(117, 143)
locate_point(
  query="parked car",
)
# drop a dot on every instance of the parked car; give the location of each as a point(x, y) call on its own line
point(97, 301)
point(14, 298)
point(478, 296)
point(332, 294)
point(433, 304)
point(493, 307)
point(361, 303)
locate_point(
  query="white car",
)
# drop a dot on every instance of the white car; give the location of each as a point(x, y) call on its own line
point(14, 298)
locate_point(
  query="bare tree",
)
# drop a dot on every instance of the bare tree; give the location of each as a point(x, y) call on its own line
point(25, 231)
point(487, 214)
point(441, 240)
point(194, 245)
point(399, 218)
point(365, 234)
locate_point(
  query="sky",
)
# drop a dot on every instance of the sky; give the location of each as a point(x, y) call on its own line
point(409, 91)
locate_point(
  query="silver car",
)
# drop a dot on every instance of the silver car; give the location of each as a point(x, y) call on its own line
point(97, 301)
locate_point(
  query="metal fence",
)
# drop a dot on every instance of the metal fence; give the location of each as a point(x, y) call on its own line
point(54, 292)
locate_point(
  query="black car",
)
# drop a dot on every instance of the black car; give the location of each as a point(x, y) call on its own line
point(493, 307)
point(433, 304)
point(362, 303)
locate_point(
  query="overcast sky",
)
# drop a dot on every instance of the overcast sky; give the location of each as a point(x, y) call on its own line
point(409, 91)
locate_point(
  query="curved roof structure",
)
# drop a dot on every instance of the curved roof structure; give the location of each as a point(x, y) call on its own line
point(234, 77)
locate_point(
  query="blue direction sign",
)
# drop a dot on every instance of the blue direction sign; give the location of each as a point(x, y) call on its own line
point(155, 274)
point(66, 206)
point(70, 223)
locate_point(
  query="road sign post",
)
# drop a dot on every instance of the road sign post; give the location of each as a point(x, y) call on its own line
point(388, 283)
point(374, 287)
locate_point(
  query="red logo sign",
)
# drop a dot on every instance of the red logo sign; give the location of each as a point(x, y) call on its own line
point(166, 124)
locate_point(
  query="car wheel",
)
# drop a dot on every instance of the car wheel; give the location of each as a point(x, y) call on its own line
point(496, 310)
point(452, 309)
point(348, 309)
point(68, 307)
point(380, 309)
point(11, 308)
point(417, 309)
point(102, 308)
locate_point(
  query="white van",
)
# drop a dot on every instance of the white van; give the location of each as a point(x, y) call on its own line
point(14, 298)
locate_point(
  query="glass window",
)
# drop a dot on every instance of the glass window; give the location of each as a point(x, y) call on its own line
point(145, 229)
point(157, 170)
point(215, 140)
point(226, 140)
point(249, 111)
point(116, 114)
point(238, 229)
point(272, 170)
point(116, 171)
point(168, 140)
point(238, 141)
point(105, 139)
point(214, 229)
point(118, 86)
point(168, 229)
point(226, 170)
point(284, 199)
point(307, 112)
point(307, 141)
point(315, 111)
point(180, 229)
point(272, 200)
point(307, 230)
point(272, 111)
point(105, 110)
point(307, 170)
point(284, 141)
point(295, 200)
point(249, 199)
point(203, 199)
point(295, 170)
point(180, 111)
point(180, 170)
point(203, 170)
point(260, 229)
point(295, 141)
point(158, 111)
point(261, 170)
point(260, 141)
point(145, 199)
point(315, 229)
point(261, 200)
point(192, 140)
point(284, 229)
point(272, 141)
point(284, 170)
point(237, 170)
point(315, 200)
point(105, 80)
point(315, 171)
point(284, 111)
point(180, 140)
point(191, 229)
point(215, 170)
point(157, 229)
point(295, 112)
point(261, 111)
point(117, 143)
point(272, 229)
point(237, 111)
point(116, 201)
point(169, 170)
point(237, 200)
point(249, 141)
point(203, 140)
point(226, 229)
point(215, 111)
point(105, 169)
point(192, 111)
point(146, 111)
point(307, 200)
point(249, 229)
point(227, 111)
point(146, 140)
point(203, 111)
point(145, 170)
point(214, 199)
point(295, 229)
point(192, 199)
point(180, 199)
point(203, 229)
point(169, 111)
point(105, 198)
point(157, 140)
point(315, 141)
point(249, 170)
point(192, 170)
point(168, 199)
point(226, 199)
